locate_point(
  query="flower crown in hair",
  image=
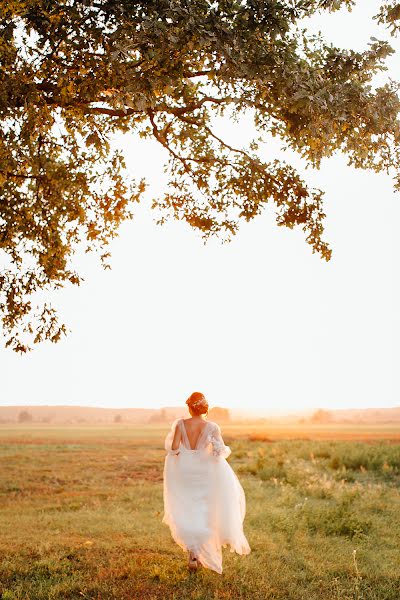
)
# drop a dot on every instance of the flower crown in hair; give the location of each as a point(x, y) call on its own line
point(199, 402)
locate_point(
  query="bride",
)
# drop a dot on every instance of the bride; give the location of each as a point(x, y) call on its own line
point(204, 502)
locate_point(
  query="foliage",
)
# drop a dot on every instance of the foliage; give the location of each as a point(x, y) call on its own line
point(24, 417)
point(320, 416)
point(219, 414)
point(75, 73)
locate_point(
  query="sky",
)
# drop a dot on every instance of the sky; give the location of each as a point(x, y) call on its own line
point(261, 324)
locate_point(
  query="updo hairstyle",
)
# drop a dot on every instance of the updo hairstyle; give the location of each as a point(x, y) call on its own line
point(197, 404)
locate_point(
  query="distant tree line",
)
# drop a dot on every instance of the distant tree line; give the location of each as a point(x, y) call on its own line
point(160, 416)
point(216, 413)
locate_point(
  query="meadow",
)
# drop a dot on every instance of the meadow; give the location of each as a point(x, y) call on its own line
point(81, 509)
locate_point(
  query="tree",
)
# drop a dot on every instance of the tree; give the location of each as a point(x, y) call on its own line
point(76, 72)
point(47, 419)
point(321, 416)
point(24, 417)
point(219, 414)
point(159, 416)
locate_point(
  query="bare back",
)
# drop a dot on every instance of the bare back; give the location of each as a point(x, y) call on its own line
point(193, 429)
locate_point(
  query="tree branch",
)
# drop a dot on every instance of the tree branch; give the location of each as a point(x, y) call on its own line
point(230, 148)
point(112, 112)
point(161, 139)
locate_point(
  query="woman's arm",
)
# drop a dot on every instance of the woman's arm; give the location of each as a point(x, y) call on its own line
point(173, 438)
point(177, 438)
point(219, 448)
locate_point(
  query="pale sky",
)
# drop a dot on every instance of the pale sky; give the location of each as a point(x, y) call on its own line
point(260, 323)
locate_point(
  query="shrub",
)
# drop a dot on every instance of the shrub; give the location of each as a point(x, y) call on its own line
point(336, 520)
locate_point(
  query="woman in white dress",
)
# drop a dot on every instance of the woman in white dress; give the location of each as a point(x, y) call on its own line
point(204, 502)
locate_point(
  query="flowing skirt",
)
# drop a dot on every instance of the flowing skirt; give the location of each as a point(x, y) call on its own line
point(204, 505)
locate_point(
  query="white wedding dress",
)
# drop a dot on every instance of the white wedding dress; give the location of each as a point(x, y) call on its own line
point(204, 502)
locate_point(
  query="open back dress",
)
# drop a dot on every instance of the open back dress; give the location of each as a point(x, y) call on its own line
point(204, 502)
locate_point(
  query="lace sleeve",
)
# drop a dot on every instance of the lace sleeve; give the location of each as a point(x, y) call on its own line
point(219, 448)
point(170, 438)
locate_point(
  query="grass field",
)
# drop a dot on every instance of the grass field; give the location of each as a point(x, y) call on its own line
point(81, 510)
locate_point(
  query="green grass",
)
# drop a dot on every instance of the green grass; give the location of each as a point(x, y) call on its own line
point(81, 510)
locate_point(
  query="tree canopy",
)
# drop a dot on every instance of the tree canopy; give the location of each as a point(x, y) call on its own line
point(75, 73)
